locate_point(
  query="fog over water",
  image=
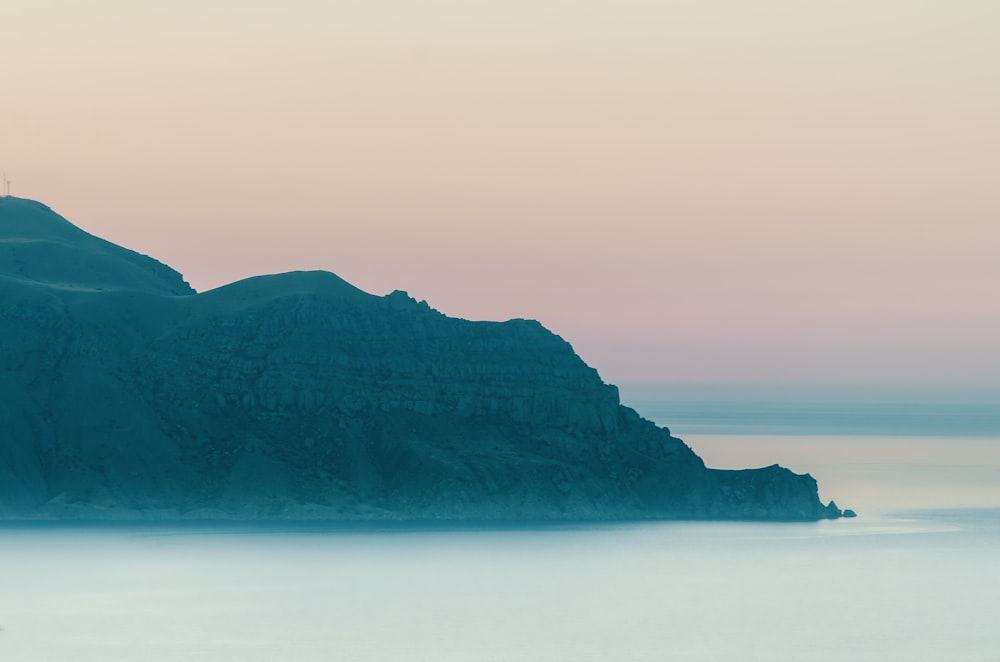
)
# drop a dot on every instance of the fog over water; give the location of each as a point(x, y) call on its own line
point(875, 458)
point(913, 578)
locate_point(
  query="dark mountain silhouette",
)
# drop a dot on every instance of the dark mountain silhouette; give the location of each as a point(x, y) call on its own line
point(124, 394)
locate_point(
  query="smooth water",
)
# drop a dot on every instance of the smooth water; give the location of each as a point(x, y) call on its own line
point(915, 577)
point(911, 456)
point(825, 418)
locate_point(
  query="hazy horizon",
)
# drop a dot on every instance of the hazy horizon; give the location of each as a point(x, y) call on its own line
point(769, 197)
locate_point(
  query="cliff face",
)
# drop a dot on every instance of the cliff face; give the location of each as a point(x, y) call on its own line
point(123, 394)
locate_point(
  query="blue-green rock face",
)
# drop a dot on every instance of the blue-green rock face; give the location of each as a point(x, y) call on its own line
point(123, 394)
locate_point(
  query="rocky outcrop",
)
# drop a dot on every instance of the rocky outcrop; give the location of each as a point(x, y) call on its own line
point(123, 394)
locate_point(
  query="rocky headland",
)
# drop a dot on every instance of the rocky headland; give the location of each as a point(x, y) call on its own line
point(124, 394)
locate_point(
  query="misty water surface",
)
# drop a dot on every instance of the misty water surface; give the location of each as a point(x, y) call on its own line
point(915, 577)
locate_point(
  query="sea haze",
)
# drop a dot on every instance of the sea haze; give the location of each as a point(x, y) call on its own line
point(876, 458)
point(914, 577)
point(740, 417)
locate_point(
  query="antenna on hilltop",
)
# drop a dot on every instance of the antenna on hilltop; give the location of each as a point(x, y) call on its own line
point(6, 185)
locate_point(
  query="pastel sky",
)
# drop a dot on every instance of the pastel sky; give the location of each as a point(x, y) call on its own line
point(775, 192)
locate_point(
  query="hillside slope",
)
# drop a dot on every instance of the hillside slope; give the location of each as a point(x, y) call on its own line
point(123, 394)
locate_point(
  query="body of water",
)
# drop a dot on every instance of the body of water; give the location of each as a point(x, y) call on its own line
point(915, 577)
point(876, 459)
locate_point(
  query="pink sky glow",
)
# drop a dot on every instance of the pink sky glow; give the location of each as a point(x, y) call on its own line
point(777, 192)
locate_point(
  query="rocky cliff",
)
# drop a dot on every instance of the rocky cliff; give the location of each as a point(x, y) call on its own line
point(124, 394)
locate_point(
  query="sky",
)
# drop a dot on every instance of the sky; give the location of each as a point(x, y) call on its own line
point(779, 195)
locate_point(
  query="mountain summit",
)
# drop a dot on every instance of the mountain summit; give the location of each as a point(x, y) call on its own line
point(125, 395)
point(40, 246)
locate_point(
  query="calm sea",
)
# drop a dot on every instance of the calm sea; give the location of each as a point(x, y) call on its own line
point(878, 459)
point(915, 577)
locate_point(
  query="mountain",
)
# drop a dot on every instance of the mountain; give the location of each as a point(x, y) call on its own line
point(39, 246)
point(126, 395)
